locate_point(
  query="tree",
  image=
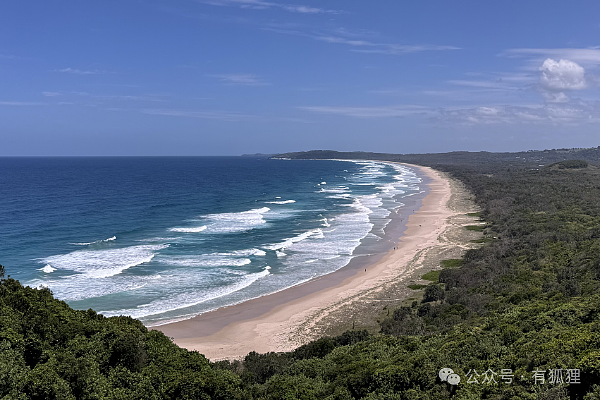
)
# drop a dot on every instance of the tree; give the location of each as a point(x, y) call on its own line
point(433, 293)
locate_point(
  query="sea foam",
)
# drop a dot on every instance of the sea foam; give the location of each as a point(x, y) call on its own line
point(110, 239)
point(48, 269)
point(243, 253)
point(190, 298)
point(205, 261)
point(236, 222)
point(290, 241)
point(281, 202)
point(189, 230)
point(104, 263)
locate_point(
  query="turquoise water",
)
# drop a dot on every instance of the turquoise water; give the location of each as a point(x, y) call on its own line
point(163, 239)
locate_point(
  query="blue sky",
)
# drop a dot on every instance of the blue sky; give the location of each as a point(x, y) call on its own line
point(226, 77)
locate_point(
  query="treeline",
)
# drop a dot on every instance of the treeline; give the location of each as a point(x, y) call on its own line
point(518, 318)
point(50, 351)
point(533, 158)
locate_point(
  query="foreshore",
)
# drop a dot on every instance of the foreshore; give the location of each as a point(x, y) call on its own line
point(276, 322)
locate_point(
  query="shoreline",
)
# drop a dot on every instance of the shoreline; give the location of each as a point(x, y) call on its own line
point(274, 322)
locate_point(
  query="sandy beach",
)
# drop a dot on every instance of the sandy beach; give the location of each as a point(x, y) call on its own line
point(284, 320)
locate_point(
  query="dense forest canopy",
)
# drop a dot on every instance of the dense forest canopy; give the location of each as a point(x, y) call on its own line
point(517, 318)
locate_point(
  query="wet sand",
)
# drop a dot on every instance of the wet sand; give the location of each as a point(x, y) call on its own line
point(269, 322)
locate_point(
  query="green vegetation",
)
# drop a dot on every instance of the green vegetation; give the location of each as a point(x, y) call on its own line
point(476, 228)
point(532, 159)
point(526, 301)
point(416, 287)
point(451, 263)
point(431, 276)
point(50, 351)
point(474, 214)
point(570, 164)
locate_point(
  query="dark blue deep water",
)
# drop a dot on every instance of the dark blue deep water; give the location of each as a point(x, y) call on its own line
point(166, 238)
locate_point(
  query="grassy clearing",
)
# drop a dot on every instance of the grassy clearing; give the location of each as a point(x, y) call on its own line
point(417, 287)
point(432, 276)
point(476, 228)
point(451, 263)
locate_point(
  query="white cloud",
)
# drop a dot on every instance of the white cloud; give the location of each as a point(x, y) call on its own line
point(334, 39)
point(363, 46)
point(264, 5)
point(558, 76)
point(517, 77)
point(371, 112)
point(218, 115)
point(569, 112)
point(240, 79)
point(76, 71)
point(150, 97)
point(381, 48)
point(586, 57)
point(398, 49)
point(558, 97)
point(497, 84)
point(341, 31)
point(572, 112)
point(305, 9)
point(21, 103)
point(70, 94)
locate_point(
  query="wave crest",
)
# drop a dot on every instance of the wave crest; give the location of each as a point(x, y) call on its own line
point(281, 202)
point(110, 239)
point(104, 263)
point(189, 230)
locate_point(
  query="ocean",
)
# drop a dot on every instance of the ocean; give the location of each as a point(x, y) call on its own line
point(163, 239)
